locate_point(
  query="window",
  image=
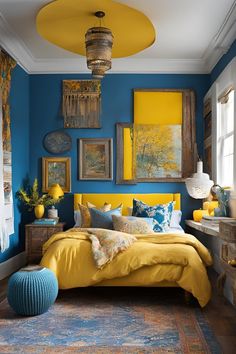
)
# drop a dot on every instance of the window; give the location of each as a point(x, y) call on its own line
point(225, 139)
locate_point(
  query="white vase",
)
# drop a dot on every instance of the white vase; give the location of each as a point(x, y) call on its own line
point(53, 213)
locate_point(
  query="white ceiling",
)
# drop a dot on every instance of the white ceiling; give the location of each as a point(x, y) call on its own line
point(191, 37)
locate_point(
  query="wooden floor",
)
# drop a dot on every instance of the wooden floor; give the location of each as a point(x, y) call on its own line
point(221, 315)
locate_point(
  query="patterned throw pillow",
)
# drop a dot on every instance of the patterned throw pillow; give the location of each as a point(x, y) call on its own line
point(160, 212)
point(85, 214)
point(133, 225)
point(103, 220)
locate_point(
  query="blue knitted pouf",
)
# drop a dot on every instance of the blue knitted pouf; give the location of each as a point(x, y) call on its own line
point(32, 290)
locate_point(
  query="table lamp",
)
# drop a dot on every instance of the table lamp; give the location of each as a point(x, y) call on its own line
point(56, 192)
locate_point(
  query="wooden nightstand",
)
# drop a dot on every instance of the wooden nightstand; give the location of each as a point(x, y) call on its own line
point(36, 236)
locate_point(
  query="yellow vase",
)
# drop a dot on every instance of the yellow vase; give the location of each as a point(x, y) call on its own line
point(39, 211)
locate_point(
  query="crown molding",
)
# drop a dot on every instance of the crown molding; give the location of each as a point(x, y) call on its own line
point(120, 66)
point(16, 47)
point(223, 39)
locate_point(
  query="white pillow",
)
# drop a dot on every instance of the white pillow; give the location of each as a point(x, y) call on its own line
point(175, 217)
point(77, 218)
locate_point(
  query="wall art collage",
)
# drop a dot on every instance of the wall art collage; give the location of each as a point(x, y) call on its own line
point(158, 146)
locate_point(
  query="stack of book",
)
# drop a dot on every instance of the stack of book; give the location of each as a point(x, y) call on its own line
point(45, 221)
point(213, 221)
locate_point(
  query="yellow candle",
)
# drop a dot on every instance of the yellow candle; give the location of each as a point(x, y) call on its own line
point(210, 206)
point(198, 214)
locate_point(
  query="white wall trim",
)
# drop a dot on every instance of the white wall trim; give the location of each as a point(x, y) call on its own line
point(120, 66)
point(223, 39)
point(224, 80)
point(13, 44)
point(12, 265)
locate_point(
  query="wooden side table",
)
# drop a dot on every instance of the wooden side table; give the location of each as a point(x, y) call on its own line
point(36, 236)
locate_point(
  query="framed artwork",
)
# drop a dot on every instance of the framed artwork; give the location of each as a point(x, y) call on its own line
point(56, 170)
point(160, 145)
point(124, 151)
point(157, 151)
point(95, 159)
point(81, 103)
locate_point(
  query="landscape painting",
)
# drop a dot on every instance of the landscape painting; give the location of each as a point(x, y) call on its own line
point(95, 159)
point(157, 152)
point(57, 173)
point(56, 170)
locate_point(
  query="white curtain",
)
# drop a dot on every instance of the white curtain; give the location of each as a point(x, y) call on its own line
point(4, 238)
point(6, 201)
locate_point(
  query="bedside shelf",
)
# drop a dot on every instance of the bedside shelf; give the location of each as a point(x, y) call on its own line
point(209, 230)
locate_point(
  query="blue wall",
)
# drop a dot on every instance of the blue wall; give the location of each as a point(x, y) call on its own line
point(36, 110)
point(117, 106)
point(222, 63)
point(19, 102)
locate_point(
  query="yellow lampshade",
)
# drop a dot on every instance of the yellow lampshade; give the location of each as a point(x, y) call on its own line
point(55, 191)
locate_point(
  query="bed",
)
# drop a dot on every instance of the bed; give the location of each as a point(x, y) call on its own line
point(171, 259)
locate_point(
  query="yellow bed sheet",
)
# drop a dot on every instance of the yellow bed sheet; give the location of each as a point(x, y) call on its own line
point(150, 260)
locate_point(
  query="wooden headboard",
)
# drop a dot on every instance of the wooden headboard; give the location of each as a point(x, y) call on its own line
point(126, 199)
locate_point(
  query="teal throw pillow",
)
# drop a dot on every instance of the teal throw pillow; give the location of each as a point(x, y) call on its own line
point(103, 220)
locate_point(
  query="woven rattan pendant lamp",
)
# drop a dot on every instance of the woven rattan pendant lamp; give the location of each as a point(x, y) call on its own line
point(71, 25)
point(99, 42)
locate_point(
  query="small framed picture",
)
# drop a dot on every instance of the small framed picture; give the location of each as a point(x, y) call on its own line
point(56, 170)
point(95, 159)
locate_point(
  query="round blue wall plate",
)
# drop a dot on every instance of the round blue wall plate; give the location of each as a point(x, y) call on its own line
point(57, 142)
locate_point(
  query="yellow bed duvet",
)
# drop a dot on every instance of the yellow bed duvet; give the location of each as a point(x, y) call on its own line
point(149, 261)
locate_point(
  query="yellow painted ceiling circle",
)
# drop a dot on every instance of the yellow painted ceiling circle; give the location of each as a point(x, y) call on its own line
point(65, 22)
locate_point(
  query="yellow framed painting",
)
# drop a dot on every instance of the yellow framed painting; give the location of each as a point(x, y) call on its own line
point(56, 170)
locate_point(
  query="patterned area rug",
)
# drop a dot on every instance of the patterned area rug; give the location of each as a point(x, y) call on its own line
point(106, 320)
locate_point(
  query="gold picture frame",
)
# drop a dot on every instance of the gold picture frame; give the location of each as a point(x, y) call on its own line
point(95, 159)
point(56, 170)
